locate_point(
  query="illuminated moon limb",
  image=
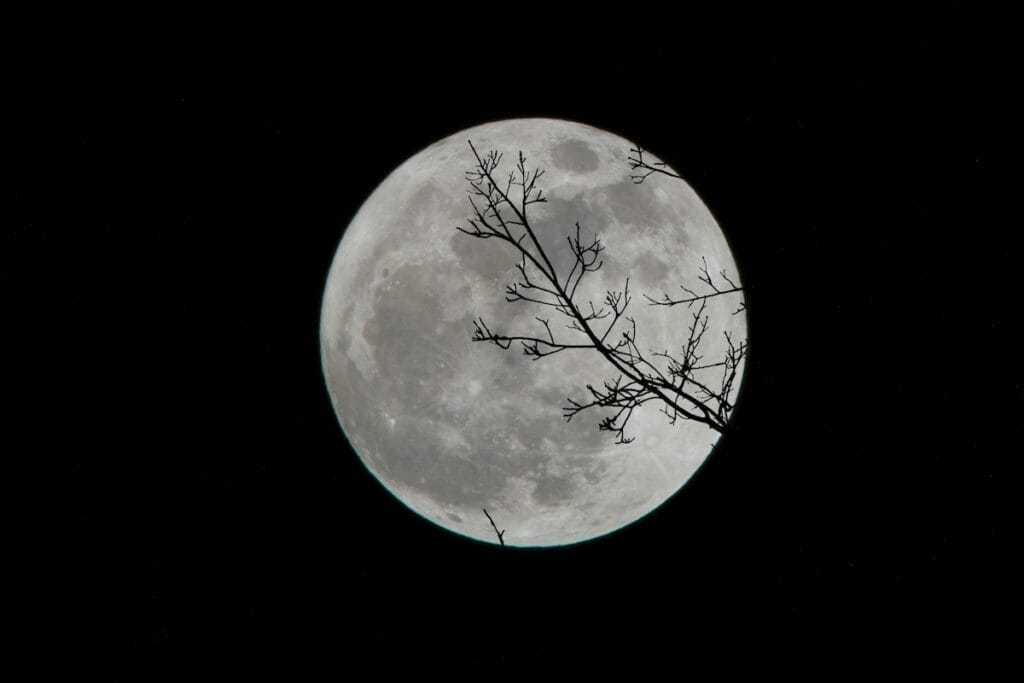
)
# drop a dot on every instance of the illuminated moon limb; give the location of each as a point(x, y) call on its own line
point(450, 426)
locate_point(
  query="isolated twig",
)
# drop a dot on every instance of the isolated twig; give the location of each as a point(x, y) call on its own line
point(501, 534)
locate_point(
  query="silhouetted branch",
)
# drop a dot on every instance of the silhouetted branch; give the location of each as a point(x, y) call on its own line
point(693, 297)
point(643, 169)
point(500, 211)
point(501, 534)
point(626, 397)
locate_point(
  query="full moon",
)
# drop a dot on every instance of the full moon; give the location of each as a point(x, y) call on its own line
point(451, 426)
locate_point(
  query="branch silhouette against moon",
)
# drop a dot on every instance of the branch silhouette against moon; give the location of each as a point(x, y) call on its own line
point(680, 383)
point(642, 169)
point(501, 534)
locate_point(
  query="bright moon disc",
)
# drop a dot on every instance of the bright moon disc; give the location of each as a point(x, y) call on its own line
point(451, 426)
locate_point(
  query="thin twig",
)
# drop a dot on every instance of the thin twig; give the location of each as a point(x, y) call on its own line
point(643, 169)
point(501, 534)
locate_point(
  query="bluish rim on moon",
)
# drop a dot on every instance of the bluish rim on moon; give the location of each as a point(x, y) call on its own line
point(493, 541)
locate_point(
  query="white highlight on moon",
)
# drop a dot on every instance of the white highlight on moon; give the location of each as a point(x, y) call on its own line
point(450, 426)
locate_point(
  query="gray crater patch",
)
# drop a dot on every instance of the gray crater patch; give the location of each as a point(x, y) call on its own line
point(576, 156)
point(422, 460)
point(554, 489)
point(491, 265)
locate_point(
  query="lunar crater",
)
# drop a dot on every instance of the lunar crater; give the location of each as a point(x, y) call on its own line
point(576, 156)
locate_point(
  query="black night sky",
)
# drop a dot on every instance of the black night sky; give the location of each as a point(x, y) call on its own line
point(174, 210)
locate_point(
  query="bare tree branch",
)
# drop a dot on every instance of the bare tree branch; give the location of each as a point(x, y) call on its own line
point(500, 211)
point(501, 534)
point(693, 297)
point(643, 169)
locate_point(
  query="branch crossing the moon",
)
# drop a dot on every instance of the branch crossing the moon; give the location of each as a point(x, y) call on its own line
point(501, 534)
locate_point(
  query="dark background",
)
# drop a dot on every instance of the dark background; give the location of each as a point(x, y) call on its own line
point(176, 204)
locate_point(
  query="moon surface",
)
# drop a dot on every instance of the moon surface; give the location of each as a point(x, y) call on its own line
point(451, 426)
